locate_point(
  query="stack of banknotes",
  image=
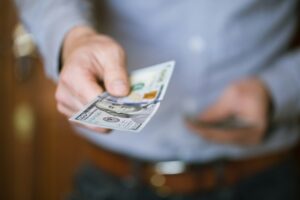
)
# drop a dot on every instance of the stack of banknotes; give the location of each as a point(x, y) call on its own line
point(133, 112)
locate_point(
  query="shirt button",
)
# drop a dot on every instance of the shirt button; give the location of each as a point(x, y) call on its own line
point(196, 44)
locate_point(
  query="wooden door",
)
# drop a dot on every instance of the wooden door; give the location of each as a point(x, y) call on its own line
point(39, 151)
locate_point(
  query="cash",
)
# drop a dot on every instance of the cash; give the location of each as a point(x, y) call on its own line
point(133, 112)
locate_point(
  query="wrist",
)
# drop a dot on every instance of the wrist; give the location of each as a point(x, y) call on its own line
point(73, 38)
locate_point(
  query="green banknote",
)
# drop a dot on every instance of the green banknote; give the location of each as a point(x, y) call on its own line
point(133, 112)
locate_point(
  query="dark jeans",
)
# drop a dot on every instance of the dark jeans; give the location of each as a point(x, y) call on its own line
point(277, 183)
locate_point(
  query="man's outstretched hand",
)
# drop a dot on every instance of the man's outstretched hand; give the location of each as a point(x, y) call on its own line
point(92, 63)
point(247, 100)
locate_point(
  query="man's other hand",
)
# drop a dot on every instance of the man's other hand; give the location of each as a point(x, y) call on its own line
point(92, 63)
point(247, 100)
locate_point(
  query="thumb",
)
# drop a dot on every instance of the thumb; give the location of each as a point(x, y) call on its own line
point(215, 113)
point(115, 77)
point(218, 111)
point(228, 104)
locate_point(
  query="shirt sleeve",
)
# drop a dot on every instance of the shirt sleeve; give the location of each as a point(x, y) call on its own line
point(49, 21)
point(283, 81)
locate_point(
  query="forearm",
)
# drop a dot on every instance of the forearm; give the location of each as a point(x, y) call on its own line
point(49, 21)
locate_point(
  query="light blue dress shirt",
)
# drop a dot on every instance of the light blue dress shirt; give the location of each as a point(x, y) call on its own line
point(213, 42)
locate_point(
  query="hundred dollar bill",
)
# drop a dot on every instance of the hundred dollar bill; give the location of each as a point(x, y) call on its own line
point(133, 112)
point(147, 85)
point(107, 114)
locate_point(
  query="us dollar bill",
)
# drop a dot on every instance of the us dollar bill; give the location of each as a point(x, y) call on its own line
point(148, 85)
point(131, 113)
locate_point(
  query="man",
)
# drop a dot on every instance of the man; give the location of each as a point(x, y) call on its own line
point(233, 58)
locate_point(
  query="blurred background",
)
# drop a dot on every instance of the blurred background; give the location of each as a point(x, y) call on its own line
point(39, 152)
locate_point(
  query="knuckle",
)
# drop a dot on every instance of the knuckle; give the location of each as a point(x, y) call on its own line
point(120, 53)
point(82, 52)
point(59, 107)
point(67, 79)
point(80, 55)
point(58, 95)
point(63, 79)
point(115, 50)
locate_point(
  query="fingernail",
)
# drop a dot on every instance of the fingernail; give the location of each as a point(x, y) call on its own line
point(119, 87)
